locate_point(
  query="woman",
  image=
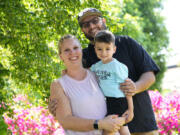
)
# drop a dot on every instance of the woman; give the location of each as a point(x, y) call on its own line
point(81, 105)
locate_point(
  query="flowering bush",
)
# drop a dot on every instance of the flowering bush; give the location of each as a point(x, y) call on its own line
point(32, 120)
point(167, 111)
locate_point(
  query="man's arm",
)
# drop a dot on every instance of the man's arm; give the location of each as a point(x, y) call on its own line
point(145, 81)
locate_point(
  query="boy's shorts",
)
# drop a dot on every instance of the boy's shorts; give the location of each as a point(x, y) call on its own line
point(116, 106)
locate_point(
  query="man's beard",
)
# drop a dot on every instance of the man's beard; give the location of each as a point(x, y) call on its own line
point(91, 38)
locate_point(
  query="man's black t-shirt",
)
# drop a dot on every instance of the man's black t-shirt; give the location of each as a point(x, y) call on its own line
point(138, 61)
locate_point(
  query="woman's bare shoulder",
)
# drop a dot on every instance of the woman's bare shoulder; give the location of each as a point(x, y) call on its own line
point(56, 89)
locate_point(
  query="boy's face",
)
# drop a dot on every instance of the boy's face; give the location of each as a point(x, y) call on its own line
point(105, 51)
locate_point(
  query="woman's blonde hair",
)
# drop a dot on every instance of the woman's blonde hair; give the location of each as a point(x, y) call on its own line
point(65, 37)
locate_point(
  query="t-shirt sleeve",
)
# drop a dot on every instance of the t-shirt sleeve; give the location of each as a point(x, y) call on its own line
point(121, 72)
point(140, 58)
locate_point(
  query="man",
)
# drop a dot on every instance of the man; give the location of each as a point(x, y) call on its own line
point(142, 70)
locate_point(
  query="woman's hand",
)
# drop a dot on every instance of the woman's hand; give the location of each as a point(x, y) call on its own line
point(111, 123)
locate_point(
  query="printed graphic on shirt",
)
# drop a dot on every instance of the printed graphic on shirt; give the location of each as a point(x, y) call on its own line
point(102, 75)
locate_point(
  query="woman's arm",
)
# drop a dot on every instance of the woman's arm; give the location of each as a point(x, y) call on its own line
point(64, 113)
point(68, 121)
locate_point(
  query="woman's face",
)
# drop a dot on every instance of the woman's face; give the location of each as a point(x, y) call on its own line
point(71, 52)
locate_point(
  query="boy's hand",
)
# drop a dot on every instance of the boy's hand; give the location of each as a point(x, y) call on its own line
point(129, 115)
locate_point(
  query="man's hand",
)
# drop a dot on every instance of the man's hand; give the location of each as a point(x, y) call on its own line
point(128, 87)
point(52, 106)
point(64, 72)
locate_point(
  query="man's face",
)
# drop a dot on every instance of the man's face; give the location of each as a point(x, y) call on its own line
point(91, 25)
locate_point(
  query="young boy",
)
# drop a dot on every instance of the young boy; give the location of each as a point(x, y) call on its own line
point(111, 73)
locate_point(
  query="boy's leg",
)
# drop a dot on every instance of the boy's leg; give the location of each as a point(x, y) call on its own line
point(124, 130)
point(154, 132)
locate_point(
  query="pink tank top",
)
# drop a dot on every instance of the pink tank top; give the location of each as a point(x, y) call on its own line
point(86, 99)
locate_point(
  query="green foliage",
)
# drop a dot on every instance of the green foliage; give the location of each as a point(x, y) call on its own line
point(155, 32)
point(3, 126)
point(3, 95)
point(30, 29)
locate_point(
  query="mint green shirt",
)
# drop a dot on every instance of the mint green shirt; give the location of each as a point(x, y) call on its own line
point(110, 76)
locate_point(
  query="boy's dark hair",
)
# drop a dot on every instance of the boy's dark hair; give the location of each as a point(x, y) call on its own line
point(104, 36)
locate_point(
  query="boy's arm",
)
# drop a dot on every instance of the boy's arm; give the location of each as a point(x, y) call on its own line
point(130, 112)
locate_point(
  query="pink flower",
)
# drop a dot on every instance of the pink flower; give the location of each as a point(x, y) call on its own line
point(167, 111)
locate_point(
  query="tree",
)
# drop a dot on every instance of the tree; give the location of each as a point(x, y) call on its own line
point(29, 32)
